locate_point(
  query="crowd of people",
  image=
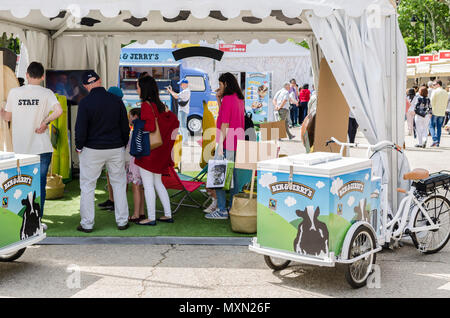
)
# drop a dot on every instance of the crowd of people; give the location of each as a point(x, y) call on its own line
point(291, 104)
point(428, 112)
point(103, 137)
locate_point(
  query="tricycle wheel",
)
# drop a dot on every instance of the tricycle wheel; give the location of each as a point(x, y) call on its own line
point(276, 264)
point(362, 241)
point(13, 256)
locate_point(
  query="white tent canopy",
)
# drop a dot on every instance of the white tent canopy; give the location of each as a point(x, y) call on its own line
point(360, 39)
point(285, 61)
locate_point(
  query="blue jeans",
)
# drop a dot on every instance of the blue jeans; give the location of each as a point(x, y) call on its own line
point(182, 117)
point(221, 194)
point(436, 124)
point(294, 114)
point(46, 159)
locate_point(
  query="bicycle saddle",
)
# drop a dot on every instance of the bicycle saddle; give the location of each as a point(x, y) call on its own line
point(416, 174)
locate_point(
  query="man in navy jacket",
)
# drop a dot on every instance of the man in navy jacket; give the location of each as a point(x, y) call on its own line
point(101, 135)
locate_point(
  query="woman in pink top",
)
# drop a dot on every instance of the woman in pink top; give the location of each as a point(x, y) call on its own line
point(230, 129)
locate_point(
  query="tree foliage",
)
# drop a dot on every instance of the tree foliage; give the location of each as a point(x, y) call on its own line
point(437, 15)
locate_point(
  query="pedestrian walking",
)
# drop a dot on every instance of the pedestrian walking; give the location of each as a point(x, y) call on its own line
point(101, 135)
point(439, 102)
point(293, 103)
point(411, 100)
point(422, 117)
point(281, 106)
point(305, 96)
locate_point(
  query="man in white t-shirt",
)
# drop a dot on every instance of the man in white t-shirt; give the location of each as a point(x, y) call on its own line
point(281, 105)
point(183, 107)
point(28, 108)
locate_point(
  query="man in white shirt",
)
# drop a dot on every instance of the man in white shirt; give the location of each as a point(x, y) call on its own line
point(183, 99)
point(439, 101)
point(28, 108)
point(281, 104)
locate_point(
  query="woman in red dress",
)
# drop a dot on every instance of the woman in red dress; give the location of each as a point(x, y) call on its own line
point(160, 159)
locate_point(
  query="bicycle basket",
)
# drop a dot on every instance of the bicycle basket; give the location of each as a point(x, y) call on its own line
point(433, 182)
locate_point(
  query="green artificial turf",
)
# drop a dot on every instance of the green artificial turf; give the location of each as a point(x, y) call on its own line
point(62, 217)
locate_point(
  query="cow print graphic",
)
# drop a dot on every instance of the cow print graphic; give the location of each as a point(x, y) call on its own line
point(312, 238)
point(31, 223)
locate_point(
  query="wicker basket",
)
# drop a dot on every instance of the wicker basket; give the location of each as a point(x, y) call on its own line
point(55, 187)
point(243, 212)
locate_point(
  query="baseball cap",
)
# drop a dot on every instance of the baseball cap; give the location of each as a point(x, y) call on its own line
point(183, 81)
point(89, 77)
point(116, 91)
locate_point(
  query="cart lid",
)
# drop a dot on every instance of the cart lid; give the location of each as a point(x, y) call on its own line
point(24, 160)
point(320, 164)
point(6, 155)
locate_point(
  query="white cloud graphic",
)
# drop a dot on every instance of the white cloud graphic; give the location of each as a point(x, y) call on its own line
point(3, 177)
point(17, 194)
point(35, 171)
point(336, 185)
point(290, 201)
point(267, 179)
point(320, 185)
point(351, 200)
point(367, 177)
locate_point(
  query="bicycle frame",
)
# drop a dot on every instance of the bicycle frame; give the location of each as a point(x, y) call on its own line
point(403, 215)
point(404, 211)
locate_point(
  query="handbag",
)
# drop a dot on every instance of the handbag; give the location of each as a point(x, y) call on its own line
point(155, 137)
point(140, 143)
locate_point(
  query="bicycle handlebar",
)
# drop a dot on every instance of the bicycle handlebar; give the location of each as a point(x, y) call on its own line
point(377, 147)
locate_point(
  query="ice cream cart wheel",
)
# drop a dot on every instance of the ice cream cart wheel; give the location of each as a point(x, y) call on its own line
point(13, 256)
point(362, 241)
point(276, 264)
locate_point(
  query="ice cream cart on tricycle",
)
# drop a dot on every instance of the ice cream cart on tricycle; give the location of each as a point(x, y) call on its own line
point(323, 209)
point(20, 225)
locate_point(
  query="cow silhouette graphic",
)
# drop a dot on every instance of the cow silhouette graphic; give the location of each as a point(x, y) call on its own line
point(361, 213)
point(313, 236)
point(31, 223)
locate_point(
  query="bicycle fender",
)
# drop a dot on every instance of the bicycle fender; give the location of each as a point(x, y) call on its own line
point(349, 235)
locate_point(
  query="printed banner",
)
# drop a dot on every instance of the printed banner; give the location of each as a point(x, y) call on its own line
point(257, 94)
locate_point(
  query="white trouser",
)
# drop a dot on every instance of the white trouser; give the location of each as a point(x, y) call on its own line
point(422, 128)
point(152, 181)
point(91, 165)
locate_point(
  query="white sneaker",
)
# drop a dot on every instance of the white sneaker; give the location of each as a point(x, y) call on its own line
point(44, 226)
point(212, 207)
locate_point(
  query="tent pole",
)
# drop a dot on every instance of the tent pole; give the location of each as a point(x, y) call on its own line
point(393, 134)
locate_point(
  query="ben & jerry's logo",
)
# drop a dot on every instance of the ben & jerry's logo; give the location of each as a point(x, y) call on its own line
point(349, 187)
point(17, 180)
point(294, 187)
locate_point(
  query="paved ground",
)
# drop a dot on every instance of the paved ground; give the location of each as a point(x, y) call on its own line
point(207, 271)
point(219, 271)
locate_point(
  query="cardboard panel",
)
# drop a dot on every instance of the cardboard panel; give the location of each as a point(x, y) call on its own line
point(273, 130)
point(332, 111)
point(248, 153)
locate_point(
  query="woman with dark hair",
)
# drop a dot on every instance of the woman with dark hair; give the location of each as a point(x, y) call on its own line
point(422, 118)
point(230, 129)
point(304, 97)
point(160, 159)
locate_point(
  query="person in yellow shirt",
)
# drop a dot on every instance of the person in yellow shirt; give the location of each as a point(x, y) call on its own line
point(439, 100)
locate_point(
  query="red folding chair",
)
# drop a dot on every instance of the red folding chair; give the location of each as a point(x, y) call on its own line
point(185, 189)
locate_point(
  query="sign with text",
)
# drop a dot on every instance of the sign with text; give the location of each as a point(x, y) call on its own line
point(239, 48)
